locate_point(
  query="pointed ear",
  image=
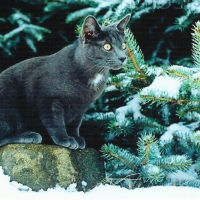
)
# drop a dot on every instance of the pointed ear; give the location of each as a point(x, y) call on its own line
point(121, 25)
point(90, 28)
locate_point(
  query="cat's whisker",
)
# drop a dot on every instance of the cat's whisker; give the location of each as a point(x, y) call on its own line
point(92, 66)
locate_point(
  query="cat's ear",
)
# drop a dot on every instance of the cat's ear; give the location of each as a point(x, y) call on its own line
point(121, 25)
point(90, 29)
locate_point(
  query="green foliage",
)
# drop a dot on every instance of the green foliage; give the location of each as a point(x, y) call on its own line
point(196, 44)
point(116, 8)
point(47, 12)
point(163, 148)
point(31, 33)
point(150, 164)
point(190, 14)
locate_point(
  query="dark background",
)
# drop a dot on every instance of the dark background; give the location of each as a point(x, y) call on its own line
point(148, 30)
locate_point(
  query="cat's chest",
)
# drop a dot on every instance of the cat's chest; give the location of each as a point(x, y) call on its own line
point(81, 97)
point(97, 82)
point(89, 91)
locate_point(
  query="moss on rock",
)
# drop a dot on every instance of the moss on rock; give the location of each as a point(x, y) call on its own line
point(45, 166)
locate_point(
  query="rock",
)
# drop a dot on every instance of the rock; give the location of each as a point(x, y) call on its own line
point(45, 166)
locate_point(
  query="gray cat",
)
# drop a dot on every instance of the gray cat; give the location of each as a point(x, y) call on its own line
point(53, 92)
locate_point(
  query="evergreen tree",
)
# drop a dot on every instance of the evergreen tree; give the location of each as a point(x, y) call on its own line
point(31, 33)
point(162, 112)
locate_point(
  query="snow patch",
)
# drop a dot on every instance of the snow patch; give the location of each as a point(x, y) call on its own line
point(83, 183)
point(20, 186)
point(152, 70)
point(169, 134)
point(196, 75)
point(111, 88)
point(10, 192)
point(72, 187)
point(127, 82)
point(133, 106)
point(194, 7)
point(190, 174)
point(164, 84)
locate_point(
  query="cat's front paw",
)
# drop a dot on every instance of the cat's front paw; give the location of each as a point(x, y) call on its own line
point(72, 142)
point(30, 137)
point(81, 142)
point(68, 142)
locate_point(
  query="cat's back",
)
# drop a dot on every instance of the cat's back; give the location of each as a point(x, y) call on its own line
point(27, 74)
point(45, 63)
point(39, 65)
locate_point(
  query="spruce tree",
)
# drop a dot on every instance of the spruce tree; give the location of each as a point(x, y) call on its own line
point(162, 112)
point(25, 29)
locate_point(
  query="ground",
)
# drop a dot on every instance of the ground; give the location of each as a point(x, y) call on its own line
point(14, 190)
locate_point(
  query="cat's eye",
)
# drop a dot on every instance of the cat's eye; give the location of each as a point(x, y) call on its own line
point(107, 47)
point(124, 46)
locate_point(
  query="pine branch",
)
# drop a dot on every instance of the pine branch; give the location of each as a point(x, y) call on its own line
point(196, 44)
point(32, 33)
point(129, 81)
point(148, 148)
point(124, 127)
point(189, 140)
point(112, 152)
point(147, 124)
point(189, 108)
point(191, 183)
point(172, 163)
point(166, 146)
point(152, 173)
point(135, 54)
point(135, 62)
point(181, 71)
point(176, 73)
point(166, 100)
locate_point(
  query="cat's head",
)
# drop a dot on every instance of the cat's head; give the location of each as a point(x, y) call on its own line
point(105, 46)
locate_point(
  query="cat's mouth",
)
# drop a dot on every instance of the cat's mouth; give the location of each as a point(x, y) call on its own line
point(119, 65)
point(116, 67)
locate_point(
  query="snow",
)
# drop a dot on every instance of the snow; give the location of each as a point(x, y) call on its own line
point(190, 174)
point(196, 75)
point(133, 106)
point(111, 88)
point(14, 190)
point(164, 84)
point(194, 7)
point(171, 130)
point(157, 3)
point(179, 128)
point(127, 82)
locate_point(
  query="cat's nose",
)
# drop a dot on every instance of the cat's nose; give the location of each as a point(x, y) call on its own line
point(122, 59)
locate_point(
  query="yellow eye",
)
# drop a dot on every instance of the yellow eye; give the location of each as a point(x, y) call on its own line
point(124, 46)
point(107, 47)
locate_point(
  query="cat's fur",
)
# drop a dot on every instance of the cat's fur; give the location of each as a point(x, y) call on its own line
point(54, 91)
